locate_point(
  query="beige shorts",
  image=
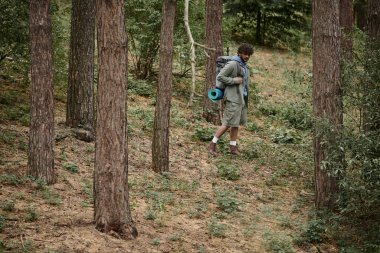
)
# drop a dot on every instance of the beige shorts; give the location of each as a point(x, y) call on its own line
point(234, 114)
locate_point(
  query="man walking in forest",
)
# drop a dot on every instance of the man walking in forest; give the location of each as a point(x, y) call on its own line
point(234, 78)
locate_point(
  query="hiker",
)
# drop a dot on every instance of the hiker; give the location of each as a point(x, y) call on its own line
point(235, 78)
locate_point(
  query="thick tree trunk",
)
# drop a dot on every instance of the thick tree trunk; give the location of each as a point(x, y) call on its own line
point(41, 134)
point(360, 14)
point(160, 145)
point(371, 114)
point(112, 211)
point(214, 13)
point(374, 20)
point(327, 92)
point(80, 93)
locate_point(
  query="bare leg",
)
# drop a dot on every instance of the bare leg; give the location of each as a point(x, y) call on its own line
point(233, 137)
point(221, 130)
point(234, 133)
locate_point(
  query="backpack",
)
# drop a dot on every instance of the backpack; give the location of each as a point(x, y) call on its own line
point(221, 61)
point(217, 92)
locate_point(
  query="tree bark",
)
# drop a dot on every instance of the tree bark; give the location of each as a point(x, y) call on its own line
point(360, 14)
point(374, 20)
point(327, 92)
point(160, 145)
point(346, 17)
point(371, 117)
point(80, 93)
point(41, 133)
point(214, 14)
point(112, 211)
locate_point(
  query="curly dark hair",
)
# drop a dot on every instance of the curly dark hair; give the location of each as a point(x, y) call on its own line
point(245, 48)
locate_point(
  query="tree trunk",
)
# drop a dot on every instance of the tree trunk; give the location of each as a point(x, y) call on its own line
point(160, 145)
point(214, 13)
point(360, 13)
point(112, 211)
point(327, 92)
point(80, 93)
point(374, 20)
point(346, 17)
point(41, 134)
point(371, 117)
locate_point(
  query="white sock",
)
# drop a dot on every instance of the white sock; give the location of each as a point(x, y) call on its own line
point(233, 143)
point(215, 140)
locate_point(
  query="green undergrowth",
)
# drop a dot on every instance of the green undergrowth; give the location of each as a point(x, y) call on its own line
point(254, 196)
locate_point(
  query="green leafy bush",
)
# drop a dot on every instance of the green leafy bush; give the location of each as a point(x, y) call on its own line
point(2, 223)
point(11, 179)
point(8, 206)
point(203, 134)
point(253, 127)
point(143, 26)
point(226, 200)
point(14, 39)
point(141, 87)
point(252, 151)
point(298, 115)
point(315, 231)
point(267, 109)
point(31, 214)
point(355, 154)
point(284, 136)
point(278, 243)
point(228, 171)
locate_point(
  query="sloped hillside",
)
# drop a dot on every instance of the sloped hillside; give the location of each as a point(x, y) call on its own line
point(260, 201)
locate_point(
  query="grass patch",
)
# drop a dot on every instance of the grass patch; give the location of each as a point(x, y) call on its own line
point(31, 214)
point(145, 118)
point(2, 223)
point(226, 200)
point(252, 150)
point(199, 209)
point(140, 87)
point(7, 137)
point(9, 205)
point(228, 171)
point(284, 136)
point(51, 197)
point(72, 167)
point(12, 179)
point(157, 204)
point(203, 134)
point(217, 229)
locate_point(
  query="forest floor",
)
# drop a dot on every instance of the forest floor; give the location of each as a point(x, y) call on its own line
point(259, 201)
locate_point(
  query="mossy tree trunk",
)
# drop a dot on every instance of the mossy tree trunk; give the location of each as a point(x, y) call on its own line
point(41, 133)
